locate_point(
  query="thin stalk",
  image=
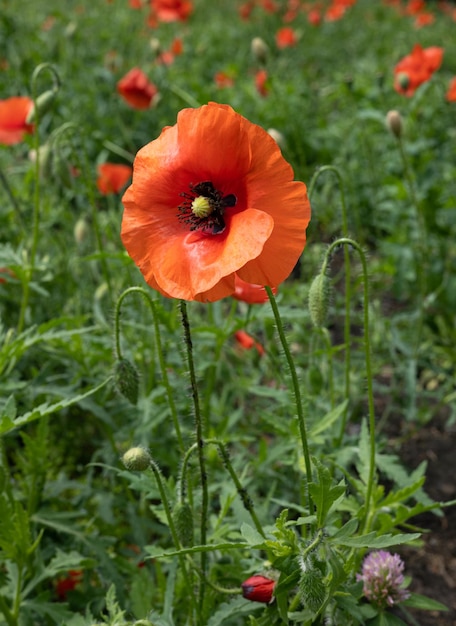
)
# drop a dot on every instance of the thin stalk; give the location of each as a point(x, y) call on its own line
point(9, 617)
point(199, 430)
point(161, 357)
point(297, 395)
point(345, 241)
point(177, 544)
point(12, 199)
point(347, 324)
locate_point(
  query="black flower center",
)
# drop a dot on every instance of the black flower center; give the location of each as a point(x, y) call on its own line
point(203, 208)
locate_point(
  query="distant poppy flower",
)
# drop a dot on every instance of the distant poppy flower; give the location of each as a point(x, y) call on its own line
point(213, 198)
point(258, 589)
point(247, 342)
point(6, 273)
point(413, 7)
point(68, 583)
point(416, 68)
point(112, 177)
point(334, 12)
point(13, 116)
point(252, 294)
point(172, 10)
point(136, 89)
point(246, 9)
point(424, 19)
point(451, 93)
point(222, 80)
point(261, 82)
point(285, 37)
point(314, 17)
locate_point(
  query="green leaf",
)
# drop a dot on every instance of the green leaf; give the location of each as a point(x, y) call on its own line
point(323, 493)
point(251, 535)
point(372, 541)
point(228, 610)
point(417, 601)
point(328, 420)
point(6, 425)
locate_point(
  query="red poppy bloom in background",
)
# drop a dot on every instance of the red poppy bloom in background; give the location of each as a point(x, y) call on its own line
point(261, 82)
point(252, 294)
point(247, 342)
point(285, 37)
point(258, 589)
point(416, 68)
point(136, 89)
point(222, 80)
point(451, 93)
point(69, 583)
point(13, 116)
point(213, 198)
point(171, 10)
point(112, 177)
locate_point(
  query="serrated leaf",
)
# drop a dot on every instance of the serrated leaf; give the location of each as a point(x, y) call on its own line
point(239, 606)
point(347, 529)
point(323, 492)
point(372, 541)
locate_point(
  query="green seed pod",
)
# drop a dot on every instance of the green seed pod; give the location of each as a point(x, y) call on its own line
point(183, 521)
point(127, 379)
point(319, 296)
point(136, 459)
point(312, 588)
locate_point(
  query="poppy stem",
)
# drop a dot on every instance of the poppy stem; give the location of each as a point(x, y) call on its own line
point(297, 395)
point(347, 319)
point(158, 344)
point(199, 430)
point(346, 241)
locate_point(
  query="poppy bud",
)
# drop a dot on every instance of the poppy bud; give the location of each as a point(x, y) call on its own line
point(80, 230)
point(258, 589)
point(136, 459)
point(127, 379)
point(259, 49)
point(403, 80)
point(312, 588)
point(183, 521)
point(319, 294)
point(42, 105)
point(394, 123)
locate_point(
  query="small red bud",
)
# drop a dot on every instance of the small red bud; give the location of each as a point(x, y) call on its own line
point(258, 589)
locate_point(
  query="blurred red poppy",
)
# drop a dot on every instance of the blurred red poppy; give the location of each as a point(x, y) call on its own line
point(222, 80)
point(261, 82)
point(112, 177)
point(13, 116)
point(195, 217)
point(451, 93)
point(136, 89)
point(171, 10)
point(247, 342)
point(68, 583)
point(286, 37)
point(258, 589)
point(416, 68)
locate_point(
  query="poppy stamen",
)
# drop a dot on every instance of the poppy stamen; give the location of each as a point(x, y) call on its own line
point(203, 208)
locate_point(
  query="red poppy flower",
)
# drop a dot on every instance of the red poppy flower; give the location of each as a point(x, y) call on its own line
point(112, 177)
point(451, 93)
point(252, 294)
point(247, 342)
point(69, 583)
point(261, 83)
point(285, 37)
point(314, 17)
point(416, 68)
point(136, 89)
point(424, 19)
point(171, 10)
point(13, 116)
point(222, 80)
point(258, 589)
point(213, 198)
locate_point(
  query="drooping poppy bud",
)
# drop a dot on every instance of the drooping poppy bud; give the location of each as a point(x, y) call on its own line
point(127, 379)
point(258, 589)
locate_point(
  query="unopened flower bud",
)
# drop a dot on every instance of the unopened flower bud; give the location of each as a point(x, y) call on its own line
point(80, 231)
point(394, 123)
point(277, 136)
point(258, 589)
point(312, 588)
point(259, 49)
point(136, 459)
point(42, 105)
point(403, 80)
point(127, 379)
point(319, 296)
point(183, 521)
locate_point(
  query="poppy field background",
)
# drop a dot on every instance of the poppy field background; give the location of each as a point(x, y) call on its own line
point(84, 378)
